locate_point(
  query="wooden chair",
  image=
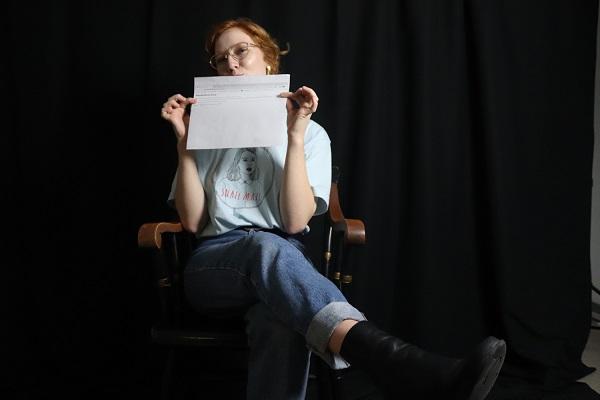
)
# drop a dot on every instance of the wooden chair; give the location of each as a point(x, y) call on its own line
point(179, 327)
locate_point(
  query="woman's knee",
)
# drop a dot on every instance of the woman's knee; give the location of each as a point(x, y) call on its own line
point(269, 246)
point(266, 242)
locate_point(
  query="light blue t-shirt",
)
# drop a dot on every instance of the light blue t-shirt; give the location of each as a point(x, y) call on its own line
point(242, 185)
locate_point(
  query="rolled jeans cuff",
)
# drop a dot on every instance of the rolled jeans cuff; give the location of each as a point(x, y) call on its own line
point(322, 326)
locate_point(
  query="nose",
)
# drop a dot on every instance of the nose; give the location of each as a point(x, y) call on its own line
point(232, 64)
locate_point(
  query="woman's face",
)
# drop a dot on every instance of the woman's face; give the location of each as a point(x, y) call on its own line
point(251, 60)
point(247, 163)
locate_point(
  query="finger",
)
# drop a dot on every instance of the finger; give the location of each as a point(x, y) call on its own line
point(308, 91)
point(309, 94)
point(309, 109)
point(171, 104)
point(179, 103)
point(290, 105)
point(297, 95)
point(164, 114)
point(177, 97)
point(315, 104)
point(172, 107)
point(307, 99)
point(306, 94)
point(296, 99)
point(303, 97)
point(178, 100)
point(166, 107)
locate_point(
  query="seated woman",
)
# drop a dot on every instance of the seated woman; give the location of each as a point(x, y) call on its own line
point(248, 208)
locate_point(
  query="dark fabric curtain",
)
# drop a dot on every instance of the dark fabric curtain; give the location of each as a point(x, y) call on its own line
point(463, 129)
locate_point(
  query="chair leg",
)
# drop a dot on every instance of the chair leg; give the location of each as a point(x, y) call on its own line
point(168, 375)
point(325, 385)
point(334, 381)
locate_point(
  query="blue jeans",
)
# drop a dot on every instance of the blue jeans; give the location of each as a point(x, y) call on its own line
point(291, 308)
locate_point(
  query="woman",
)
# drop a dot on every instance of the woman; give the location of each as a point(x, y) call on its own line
point(249, 256)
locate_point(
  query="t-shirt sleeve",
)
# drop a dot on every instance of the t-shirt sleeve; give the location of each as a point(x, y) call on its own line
point(317, 151)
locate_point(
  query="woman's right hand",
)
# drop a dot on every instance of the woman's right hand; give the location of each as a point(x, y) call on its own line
point(173, 110)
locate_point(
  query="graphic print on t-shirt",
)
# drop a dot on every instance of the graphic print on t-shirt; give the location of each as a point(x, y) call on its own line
point(248, 179)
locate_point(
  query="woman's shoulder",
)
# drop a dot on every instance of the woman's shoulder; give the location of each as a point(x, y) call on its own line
point(315, 131)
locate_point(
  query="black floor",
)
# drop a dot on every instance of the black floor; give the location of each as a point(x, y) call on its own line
point(219, 376)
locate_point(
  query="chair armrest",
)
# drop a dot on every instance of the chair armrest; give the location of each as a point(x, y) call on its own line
point(353, 229)
point(149, 234)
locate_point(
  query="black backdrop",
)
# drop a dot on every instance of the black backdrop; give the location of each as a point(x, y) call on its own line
point(464, 131)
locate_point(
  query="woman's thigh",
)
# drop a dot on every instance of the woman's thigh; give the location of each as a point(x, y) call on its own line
point(216, 277)
point(224, 272)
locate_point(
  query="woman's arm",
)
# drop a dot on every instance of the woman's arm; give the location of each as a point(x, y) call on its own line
point(190, 199)
point(296, 199)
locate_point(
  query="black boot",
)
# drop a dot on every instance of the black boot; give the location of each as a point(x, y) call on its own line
point(408, 372)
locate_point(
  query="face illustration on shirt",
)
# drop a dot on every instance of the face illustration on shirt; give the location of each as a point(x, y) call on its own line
point(244, 166)
point(247, 166)
point(247, 180)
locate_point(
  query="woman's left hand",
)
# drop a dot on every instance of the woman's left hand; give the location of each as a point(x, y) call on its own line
point(300, 106)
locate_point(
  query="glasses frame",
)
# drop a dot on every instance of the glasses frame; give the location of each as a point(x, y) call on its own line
point(228, 53)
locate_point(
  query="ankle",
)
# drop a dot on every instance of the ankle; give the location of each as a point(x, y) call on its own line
point(339, 334)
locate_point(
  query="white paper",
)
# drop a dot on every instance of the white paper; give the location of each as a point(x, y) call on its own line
point(238, 111)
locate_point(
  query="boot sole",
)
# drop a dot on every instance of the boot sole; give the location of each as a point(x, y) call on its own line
point(490, 372)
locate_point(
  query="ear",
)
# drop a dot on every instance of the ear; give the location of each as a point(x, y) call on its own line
point(268, 70)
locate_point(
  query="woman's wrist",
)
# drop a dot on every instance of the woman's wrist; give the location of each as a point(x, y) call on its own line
point(296, 138)
point(295, 144)
point(182, 147)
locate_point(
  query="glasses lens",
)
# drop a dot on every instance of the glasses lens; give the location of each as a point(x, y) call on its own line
point(217, 61)
point(237, 52)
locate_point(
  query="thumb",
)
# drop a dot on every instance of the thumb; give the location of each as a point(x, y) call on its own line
point(289, 105)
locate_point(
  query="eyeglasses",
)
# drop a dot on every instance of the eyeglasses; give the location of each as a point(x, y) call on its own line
point(238, 52)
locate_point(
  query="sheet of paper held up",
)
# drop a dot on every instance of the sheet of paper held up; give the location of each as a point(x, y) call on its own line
point(238, 111)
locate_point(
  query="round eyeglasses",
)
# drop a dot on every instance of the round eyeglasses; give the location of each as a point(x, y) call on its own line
point(238, 52)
